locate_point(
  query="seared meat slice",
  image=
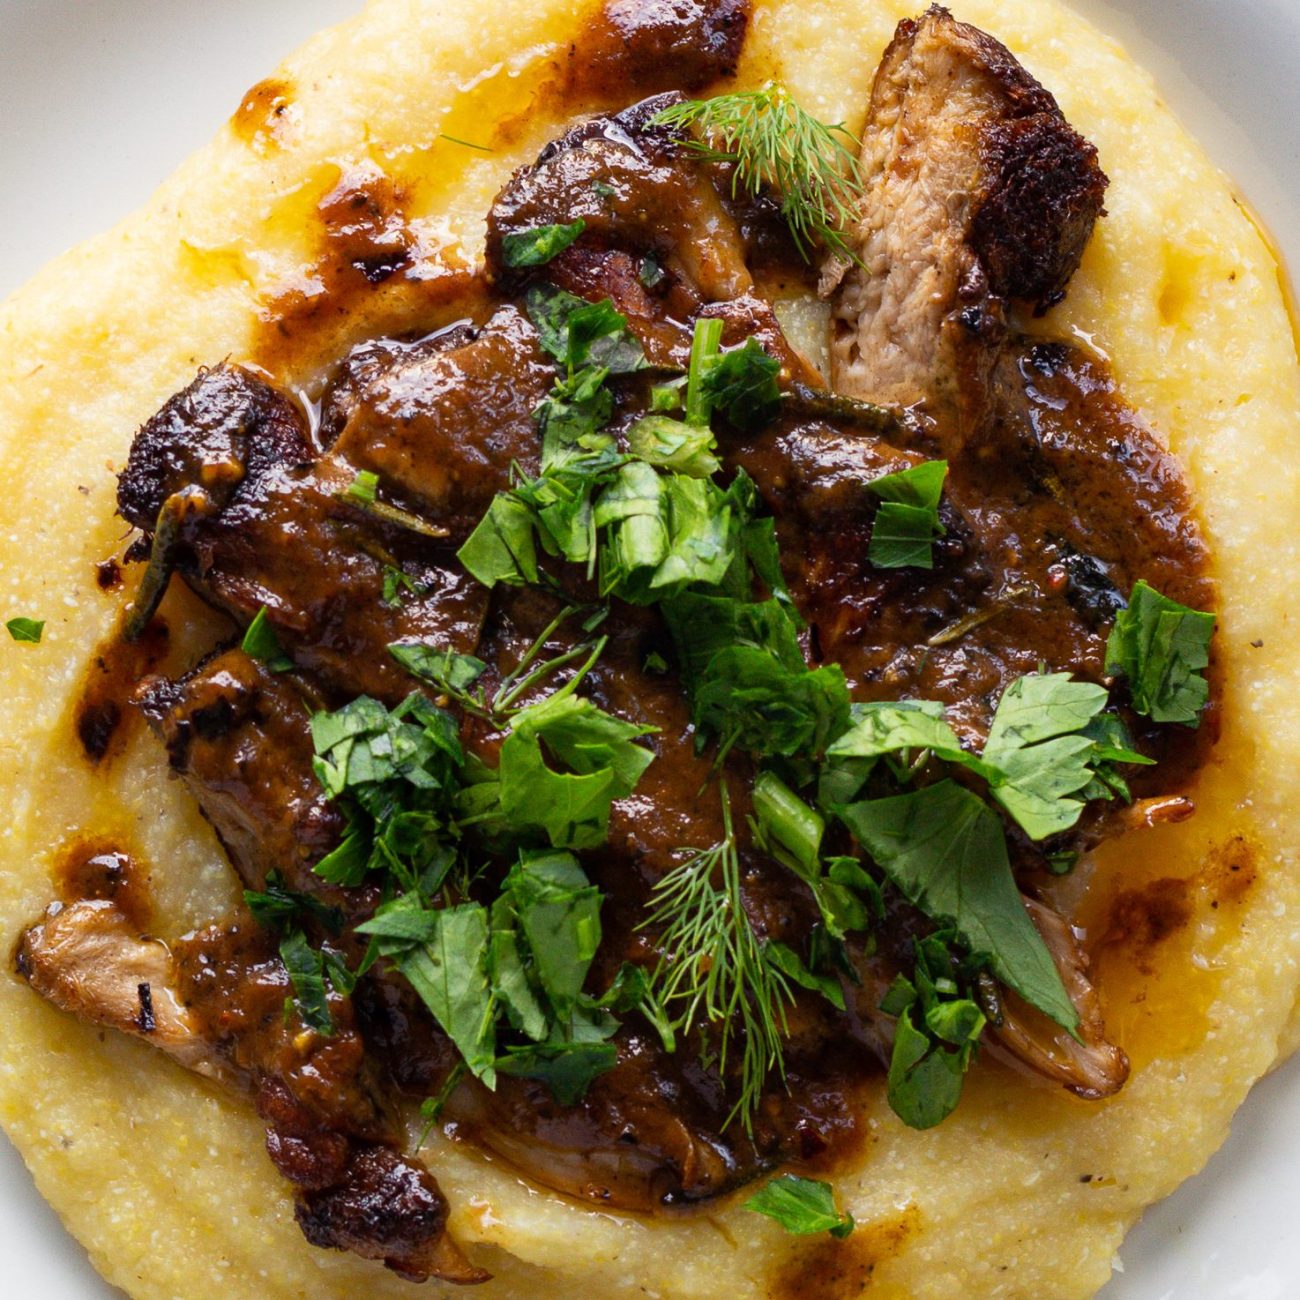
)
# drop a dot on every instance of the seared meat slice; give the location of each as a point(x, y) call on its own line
point(636, 189)
point(215, 1003)
point(419, 422)
point(978, 191)
point(239, 736)
point(290, 539)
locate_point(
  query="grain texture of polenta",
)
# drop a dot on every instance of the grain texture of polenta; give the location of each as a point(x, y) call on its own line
point(1024, 1192)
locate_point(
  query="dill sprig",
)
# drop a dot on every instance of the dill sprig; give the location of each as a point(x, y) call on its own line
point(772, 142)
point(715, 969)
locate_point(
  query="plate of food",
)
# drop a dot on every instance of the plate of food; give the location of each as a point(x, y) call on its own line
point(639, 660)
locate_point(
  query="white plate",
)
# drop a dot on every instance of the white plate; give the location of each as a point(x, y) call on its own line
point(98, 103)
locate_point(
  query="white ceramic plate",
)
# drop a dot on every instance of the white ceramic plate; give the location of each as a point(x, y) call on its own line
point(100, 100)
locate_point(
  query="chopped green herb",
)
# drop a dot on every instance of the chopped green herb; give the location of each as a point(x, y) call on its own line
point(537, 246)
point(454, 672)
point(944, 849)
point(26, 630)
point(444, 955)
point(275, 906)
point(572, 807)
point(650, 273)
point(670, 444)
point(742, 385)
point(307, 974)
point(935, 1037)
point(812, 167)
point(803, 1206)
point(791, 832)
point(1039, 754)
point(261, 643)
point(907, 522)
point(395, 583)
point(501, 549)
point(559, 915)
point(1161, 648)
point(566, 1068)
point(363, 487)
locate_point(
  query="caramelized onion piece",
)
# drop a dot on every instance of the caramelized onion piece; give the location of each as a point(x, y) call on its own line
point(1092, 1068)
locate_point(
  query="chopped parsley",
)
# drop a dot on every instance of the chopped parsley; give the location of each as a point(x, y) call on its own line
point(943, 848)
point(26, 630)
point(363, 487)
point(938, 1028)
point(1161, 648)
point(537, 246)
point(261, 643)
point(907, 522)
point(802, 1206)
point(306, 969)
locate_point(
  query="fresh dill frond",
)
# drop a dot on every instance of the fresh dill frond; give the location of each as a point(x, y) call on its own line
point(813, 167)
point(715, 970)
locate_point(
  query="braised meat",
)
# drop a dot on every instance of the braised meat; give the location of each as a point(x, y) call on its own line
point(978, 193)
point(636, 189)
point(327, 1132)
point(238, 734)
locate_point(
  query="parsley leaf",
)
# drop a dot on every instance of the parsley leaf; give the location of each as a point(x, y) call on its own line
point(791, 832)
point(802, 1206)
point(395, 583)
point(26, 630)
point(572, 807)
point(898, 726)
point(537, 246)
point(907, 522)
point(363, 487)
point(399, 774)
point(670, 444)
point(1161, 647)
point(307, 974)
point(742, 385)
point(559, 914)
point(261, 643)
point(944, 849)
point(567, 1068)
point(443, 953)
point(579, 333)
point(274, 906)
point(935, 1037)
point(501, 549)
point(1038, 755)
point(454, 672)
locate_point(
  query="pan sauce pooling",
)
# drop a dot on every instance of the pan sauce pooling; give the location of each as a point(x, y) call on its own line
point(1057, 502)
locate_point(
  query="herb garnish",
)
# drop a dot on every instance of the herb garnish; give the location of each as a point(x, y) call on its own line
point(537, 246)
point(261, 643)
point(771, 141)
point(26, 630)
point(944, 850)
point(715, 972)
point(935, 1037)
point(907, 522)
point(802, 1206)
point(1161, 647)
